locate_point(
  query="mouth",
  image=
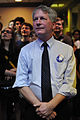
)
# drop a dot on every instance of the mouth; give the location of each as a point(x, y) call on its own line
point(24, 32)
point(57, 27)
point(39, 28)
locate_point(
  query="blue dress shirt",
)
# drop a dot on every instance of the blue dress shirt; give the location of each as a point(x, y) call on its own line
point(62, 67)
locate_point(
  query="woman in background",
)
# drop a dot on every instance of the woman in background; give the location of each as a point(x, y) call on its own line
point(8, 95)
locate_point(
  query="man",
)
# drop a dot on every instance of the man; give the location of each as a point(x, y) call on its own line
point(62, 70)
point(17, 26)
point(58, 32)
point(17, 22)
point(26, 29)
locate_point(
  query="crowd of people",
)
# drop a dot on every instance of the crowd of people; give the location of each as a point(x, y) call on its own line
point(12, 38)
point(20, 61)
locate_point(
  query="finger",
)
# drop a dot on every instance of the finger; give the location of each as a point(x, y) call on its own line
point(41, 115)
point(54, 113)
point(52, 116)
point(49, 118)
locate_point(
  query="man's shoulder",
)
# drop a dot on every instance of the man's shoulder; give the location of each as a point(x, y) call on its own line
point(62, 44)
point(64, 49)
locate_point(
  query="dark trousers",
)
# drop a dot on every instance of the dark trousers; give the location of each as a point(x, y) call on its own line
point(9, 104)
point(64, 111)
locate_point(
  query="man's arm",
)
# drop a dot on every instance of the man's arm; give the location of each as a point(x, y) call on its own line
point(28, 94)
point(56, 100)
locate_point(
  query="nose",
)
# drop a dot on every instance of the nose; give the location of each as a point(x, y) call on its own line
point(38, 22)
point(57, 25)
point(19, 25)
point(4, 31)
point(24, 31)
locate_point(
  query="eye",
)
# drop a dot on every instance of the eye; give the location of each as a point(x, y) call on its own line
point(42, 18)
point(3, 31)
point(36, 18)
point(27, 28)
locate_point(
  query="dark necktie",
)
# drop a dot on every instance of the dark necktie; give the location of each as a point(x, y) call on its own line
point(45, 76)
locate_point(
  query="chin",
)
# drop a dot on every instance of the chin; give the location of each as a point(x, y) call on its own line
point(40, 33)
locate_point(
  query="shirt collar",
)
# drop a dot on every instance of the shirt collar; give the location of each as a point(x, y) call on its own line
point(50, 42)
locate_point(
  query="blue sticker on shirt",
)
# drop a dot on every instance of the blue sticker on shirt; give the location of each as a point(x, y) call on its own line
point(60, 58)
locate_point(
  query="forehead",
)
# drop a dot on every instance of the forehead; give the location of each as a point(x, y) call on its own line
point(11, 23)
point(40, 12)
point(25, 26)
point(60, 21)
point(18, 22)
point(8, 29)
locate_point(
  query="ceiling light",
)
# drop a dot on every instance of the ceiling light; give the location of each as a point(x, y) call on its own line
point(18, 0)
point(57, 5)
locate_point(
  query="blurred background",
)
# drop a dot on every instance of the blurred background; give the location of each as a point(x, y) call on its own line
point(69, 10)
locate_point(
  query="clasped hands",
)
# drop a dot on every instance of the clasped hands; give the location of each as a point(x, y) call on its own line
point(45, 110)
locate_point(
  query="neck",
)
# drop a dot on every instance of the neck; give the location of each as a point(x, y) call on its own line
point(25, 38)
point(57, 34)
point(45, 38)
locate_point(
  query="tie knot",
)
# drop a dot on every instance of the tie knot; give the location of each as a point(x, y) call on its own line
point(45, 44)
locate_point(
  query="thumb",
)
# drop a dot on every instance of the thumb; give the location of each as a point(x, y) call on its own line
point(37, 105)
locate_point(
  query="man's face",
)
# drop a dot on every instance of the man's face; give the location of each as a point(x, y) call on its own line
point(58, 26)
point(6, 34)
point(25, 30)
point(18, 25)
point(42, 24)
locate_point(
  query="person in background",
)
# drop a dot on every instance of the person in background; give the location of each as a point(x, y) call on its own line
point(76, 35)
point(11, 24)
point(7, 40)
point(1, 26)
point(26, 29)
point(58, 32)
point(76, 99)
point(62, 71)
point(76, 38)
point(17, 26)
point(8, 95)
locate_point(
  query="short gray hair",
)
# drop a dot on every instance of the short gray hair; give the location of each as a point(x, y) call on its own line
point(52, 13)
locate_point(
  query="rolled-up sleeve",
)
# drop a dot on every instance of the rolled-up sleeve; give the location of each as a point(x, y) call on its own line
point(68, 87)
point(22, 76)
